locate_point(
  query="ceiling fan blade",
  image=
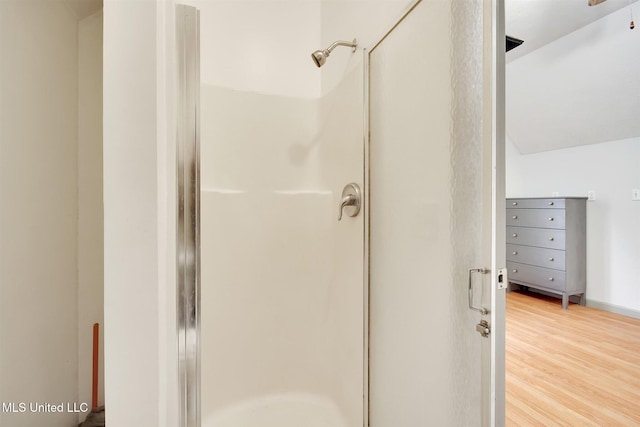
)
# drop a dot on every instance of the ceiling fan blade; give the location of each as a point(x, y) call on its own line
point(595, 2)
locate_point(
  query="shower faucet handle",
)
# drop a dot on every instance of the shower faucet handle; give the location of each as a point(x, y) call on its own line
point(351, 200)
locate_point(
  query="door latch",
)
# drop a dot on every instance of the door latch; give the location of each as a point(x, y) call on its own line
point(502, 278)
point(483, 328)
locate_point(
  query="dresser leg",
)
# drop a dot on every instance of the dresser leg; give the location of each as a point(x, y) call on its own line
point(583, 299)
point(565, 301)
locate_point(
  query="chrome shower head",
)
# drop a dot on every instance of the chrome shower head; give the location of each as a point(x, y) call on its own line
point(320, 56)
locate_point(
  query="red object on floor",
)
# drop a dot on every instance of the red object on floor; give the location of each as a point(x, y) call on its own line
point(96, 347)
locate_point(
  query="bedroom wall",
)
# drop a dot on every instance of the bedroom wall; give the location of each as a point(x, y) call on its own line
point(611, 170)
point(39, 209)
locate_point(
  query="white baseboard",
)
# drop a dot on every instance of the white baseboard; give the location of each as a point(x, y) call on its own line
point(614, 308)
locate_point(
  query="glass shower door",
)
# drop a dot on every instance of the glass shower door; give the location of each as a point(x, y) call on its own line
point(430, 161)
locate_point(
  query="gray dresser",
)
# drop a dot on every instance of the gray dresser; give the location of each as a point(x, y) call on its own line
point(546, 245)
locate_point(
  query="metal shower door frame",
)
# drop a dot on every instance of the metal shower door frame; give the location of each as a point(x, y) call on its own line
point(188, 212)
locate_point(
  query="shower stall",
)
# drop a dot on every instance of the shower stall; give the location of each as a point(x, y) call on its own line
point(338, 243)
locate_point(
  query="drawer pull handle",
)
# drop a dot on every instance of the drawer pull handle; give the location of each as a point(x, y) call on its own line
point(514, 217)
point(551, 259)
point(514, 271)
point(551, 219)
point(515, 203)
point(551, 279)
point(515, 252)
point(551, 239)
point(551, 203)
point(514, 235)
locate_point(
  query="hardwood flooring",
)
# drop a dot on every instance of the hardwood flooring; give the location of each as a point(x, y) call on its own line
point(575, 367)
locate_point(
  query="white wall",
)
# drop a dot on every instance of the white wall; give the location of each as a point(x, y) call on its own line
point(139, 214)
point(611, 170)
point(38, 215)
point(90, 217)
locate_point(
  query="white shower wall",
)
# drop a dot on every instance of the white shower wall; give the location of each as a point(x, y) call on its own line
point(256, 45)
point(366, 20)
point(262, 253)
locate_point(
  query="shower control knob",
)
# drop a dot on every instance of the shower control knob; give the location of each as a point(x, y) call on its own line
point(350, 201)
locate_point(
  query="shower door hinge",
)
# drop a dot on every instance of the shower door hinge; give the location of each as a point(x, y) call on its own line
point(483, 328)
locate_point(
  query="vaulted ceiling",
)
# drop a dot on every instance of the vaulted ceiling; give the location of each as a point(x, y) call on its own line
point(576, 78)
point(539, 22)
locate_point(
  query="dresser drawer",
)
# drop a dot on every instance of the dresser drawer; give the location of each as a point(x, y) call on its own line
point(541, 237)
point(540, 218)
point(536, 203)
point(536, 276)
point(542, 257)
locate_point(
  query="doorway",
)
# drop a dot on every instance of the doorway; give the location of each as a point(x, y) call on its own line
point(598, 156)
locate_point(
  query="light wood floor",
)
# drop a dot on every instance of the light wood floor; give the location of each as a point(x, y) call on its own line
point(575, 367)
